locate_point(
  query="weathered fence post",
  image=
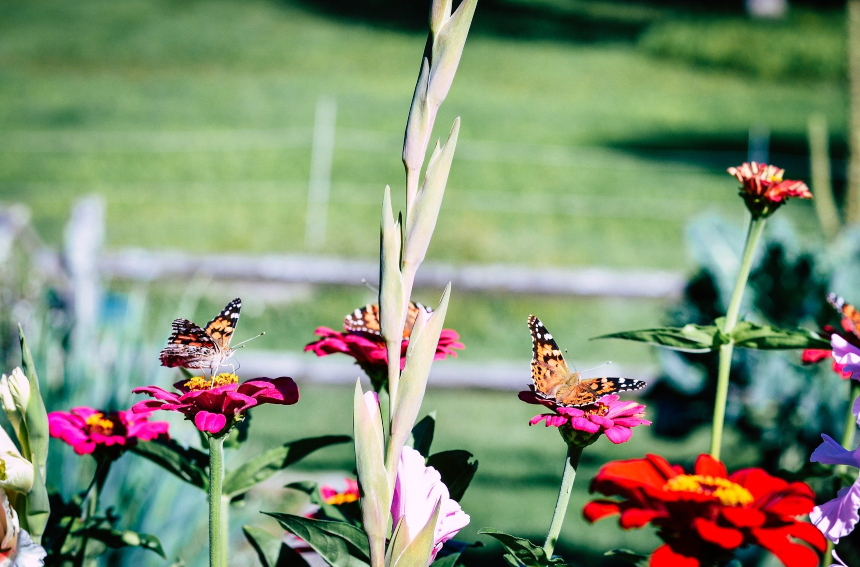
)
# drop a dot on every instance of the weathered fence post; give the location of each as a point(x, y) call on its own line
point(322, 155)
point(822, 186)
point(84, 237)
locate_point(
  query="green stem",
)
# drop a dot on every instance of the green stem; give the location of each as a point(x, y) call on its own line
point(848, 434)
point(216, 480)
point(571, 461)
point(753, 236)
point(91, 503)
point(225, 528)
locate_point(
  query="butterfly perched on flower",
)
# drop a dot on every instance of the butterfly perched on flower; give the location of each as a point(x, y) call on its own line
point(366, 319)
point(850, 315)
point(190, 346)
point(554, 381)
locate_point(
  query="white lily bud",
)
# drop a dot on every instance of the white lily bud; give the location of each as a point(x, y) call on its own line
point(16, 472)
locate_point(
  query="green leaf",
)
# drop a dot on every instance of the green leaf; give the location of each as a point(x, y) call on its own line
point(689, 338)
point(416, 553)
point(239, 433)
point(338, 543)
point(188, 464)
point(117, 539)
point(628, 556)
point(263, 466)
point(271, 551)
point(527, 553)
point(331, 512)
point(422, 434)
point(457, 468)
point(765, 337)
point(448, 560)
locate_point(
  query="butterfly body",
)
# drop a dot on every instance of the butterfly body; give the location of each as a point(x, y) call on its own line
point(553, 379)
point(366, 319)
point(193, 347)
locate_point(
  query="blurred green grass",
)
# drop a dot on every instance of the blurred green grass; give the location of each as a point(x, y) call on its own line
point(548, 171)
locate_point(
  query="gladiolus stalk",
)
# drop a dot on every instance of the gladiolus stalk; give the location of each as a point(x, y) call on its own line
point(756, 227)
point(571, 462)
point(216, 480)
point(91, 503)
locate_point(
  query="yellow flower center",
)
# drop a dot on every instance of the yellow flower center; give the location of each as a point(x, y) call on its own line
point(726, 491)
point(98, 422)
point(339, 499)
point(201, 383)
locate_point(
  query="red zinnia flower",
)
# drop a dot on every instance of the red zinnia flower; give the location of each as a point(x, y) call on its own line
point(763, 187)
point(370, 353)
point(103, 434)
point(815, 355)
point(331, 495)
point(703, 517)
point(216, 405)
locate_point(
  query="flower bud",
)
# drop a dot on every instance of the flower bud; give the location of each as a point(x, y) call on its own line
point(14, 396)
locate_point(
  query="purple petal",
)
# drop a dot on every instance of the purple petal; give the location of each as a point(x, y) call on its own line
point(838, 517)
point(845, 353)
point(832, 453)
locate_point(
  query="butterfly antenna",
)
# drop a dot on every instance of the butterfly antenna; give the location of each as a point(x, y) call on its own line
point(370, 286)
point(598, 366)
point(246, 340)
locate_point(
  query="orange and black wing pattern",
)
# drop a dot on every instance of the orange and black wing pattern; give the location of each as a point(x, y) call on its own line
point(549, 369)
point(189, 346)
point(366, 319)
point(850, 315)
point(221, 328)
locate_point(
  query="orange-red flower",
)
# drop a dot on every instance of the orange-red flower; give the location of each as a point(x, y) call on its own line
point(764, 189)
point(704, 517)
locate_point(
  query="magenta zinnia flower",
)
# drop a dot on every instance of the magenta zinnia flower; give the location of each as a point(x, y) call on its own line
point(217, 405)
point(764, 189)
point(417, 490)
point(583, 425)
point(369, 350)
point(102, 433)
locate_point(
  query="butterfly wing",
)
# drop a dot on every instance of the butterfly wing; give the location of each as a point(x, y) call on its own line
point(549, 369)
point(221, 327)
point(189, 346)
point(366, 319)
point(850, 315)
point(590, 390)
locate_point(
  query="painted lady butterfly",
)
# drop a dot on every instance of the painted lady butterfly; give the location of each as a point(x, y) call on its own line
point(554, 380)
point(189, 346)
point(850, 315)
point(366, 319)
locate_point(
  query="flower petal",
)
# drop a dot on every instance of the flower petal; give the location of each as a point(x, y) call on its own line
point(208, 422)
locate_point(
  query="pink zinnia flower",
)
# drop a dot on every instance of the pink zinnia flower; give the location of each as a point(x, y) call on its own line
point(417, 490)
point(764, 189)
point(369, 350)
point(583, 425)
point(102, 433)
point(331, 495)
point(217, 405)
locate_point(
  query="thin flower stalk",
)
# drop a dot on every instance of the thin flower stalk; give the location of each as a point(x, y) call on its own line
point(571, 462)
point(91, 502)
point(754, 232)
point(217, 553)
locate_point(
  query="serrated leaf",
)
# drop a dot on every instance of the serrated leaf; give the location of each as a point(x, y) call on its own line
point(263, 466)
point(766, 337)
point(457, 468)
point(527, 553)
point(340, 544)
point(186, 463)
point(628, 556)
point(272, 551)
point(422, 434)
point(117, 539)
point(689, 338)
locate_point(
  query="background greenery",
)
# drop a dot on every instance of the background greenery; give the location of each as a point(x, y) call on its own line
point(593, 131)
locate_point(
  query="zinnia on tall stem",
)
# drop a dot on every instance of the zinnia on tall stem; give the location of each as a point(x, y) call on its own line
point(215, 406)
point(580, 427)
point(763, 190)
